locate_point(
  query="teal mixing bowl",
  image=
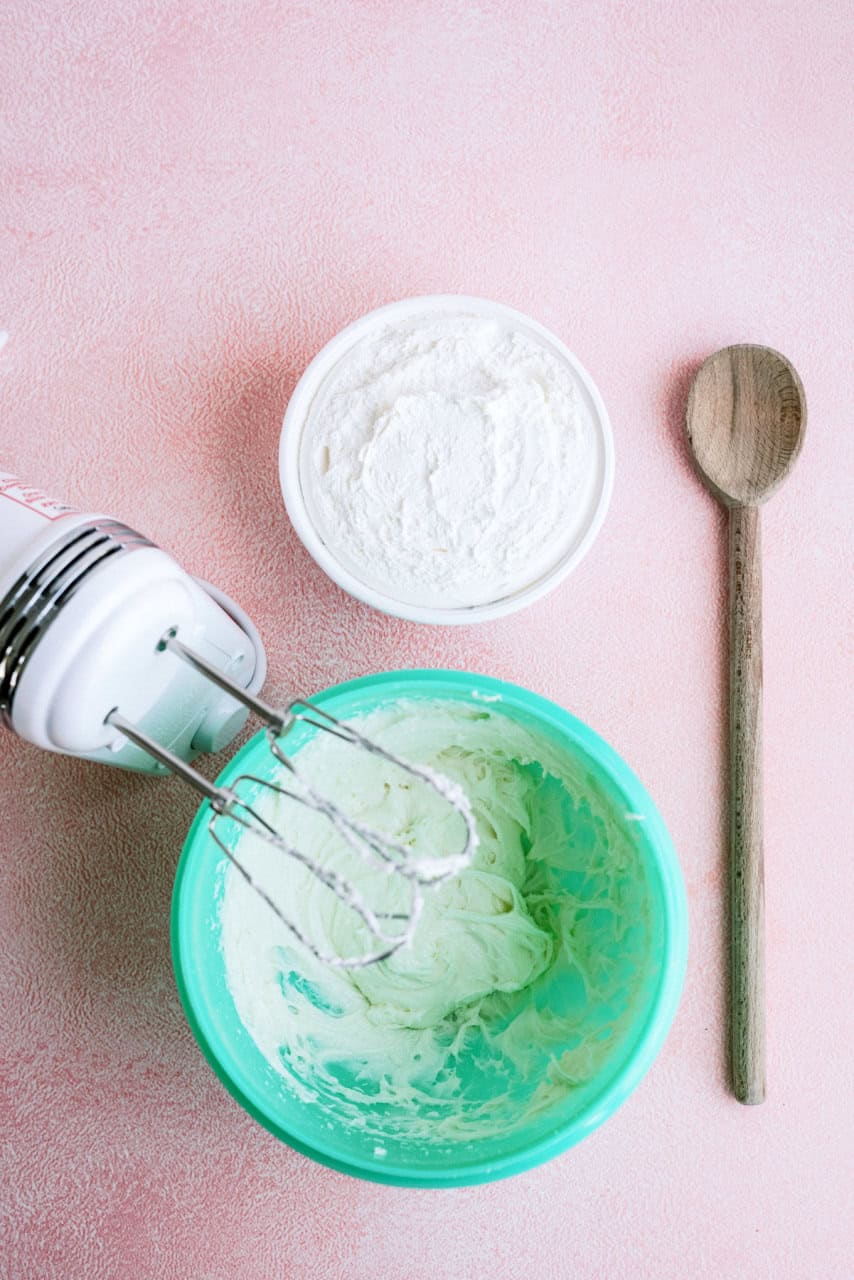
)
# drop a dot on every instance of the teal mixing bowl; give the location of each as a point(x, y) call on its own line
point(646, 969)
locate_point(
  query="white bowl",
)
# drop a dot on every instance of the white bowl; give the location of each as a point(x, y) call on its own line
point(296, 416)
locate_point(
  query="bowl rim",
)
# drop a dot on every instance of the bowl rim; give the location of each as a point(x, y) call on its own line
point(296, 415)
point(650, 1034)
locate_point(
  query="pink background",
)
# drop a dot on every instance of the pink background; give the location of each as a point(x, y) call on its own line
point(194, 198)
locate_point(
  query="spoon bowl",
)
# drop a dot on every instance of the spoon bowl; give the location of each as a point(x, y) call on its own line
point(746, 418)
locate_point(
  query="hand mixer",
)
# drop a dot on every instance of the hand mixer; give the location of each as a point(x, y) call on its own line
point(111, 651)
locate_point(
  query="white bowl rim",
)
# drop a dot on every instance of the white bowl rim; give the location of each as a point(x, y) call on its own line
point(296, 415)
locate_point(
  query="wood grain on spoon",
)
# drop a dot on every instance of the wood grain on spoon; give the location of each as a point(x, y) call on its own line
point(746, 417)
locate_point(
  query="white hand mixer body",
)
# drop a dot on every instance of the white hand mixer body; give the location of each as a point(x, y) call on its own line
point(83, 603)
point(111, 651)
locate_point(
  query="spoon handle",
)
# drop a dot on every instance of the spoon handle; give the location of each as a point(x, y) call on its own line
point(747, 880)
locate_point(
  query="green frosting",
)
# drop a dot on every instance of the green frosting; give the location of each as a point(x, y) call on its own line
point(525, 970)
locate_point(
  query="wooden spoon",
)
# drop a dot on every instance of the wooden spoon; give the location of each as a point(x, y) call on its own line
point(746, 418)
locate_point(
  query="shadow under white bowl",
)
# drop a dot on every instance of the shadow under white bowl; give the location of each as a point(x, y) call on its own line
point(297, 413)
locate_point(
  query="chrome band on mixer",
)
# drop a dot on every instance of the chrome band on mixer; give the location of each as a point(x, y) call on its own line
point(37, 596)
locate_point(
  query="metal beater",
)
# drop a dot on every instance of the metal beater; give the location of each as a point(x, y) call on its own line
point(372, 847)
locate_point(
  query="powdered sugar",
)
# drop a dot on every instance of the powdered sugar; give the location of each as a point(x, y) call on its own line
point(446, 460)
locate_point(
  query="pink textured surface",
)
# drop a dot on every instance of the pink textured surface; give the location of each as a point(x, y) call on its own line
point(194, 198)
